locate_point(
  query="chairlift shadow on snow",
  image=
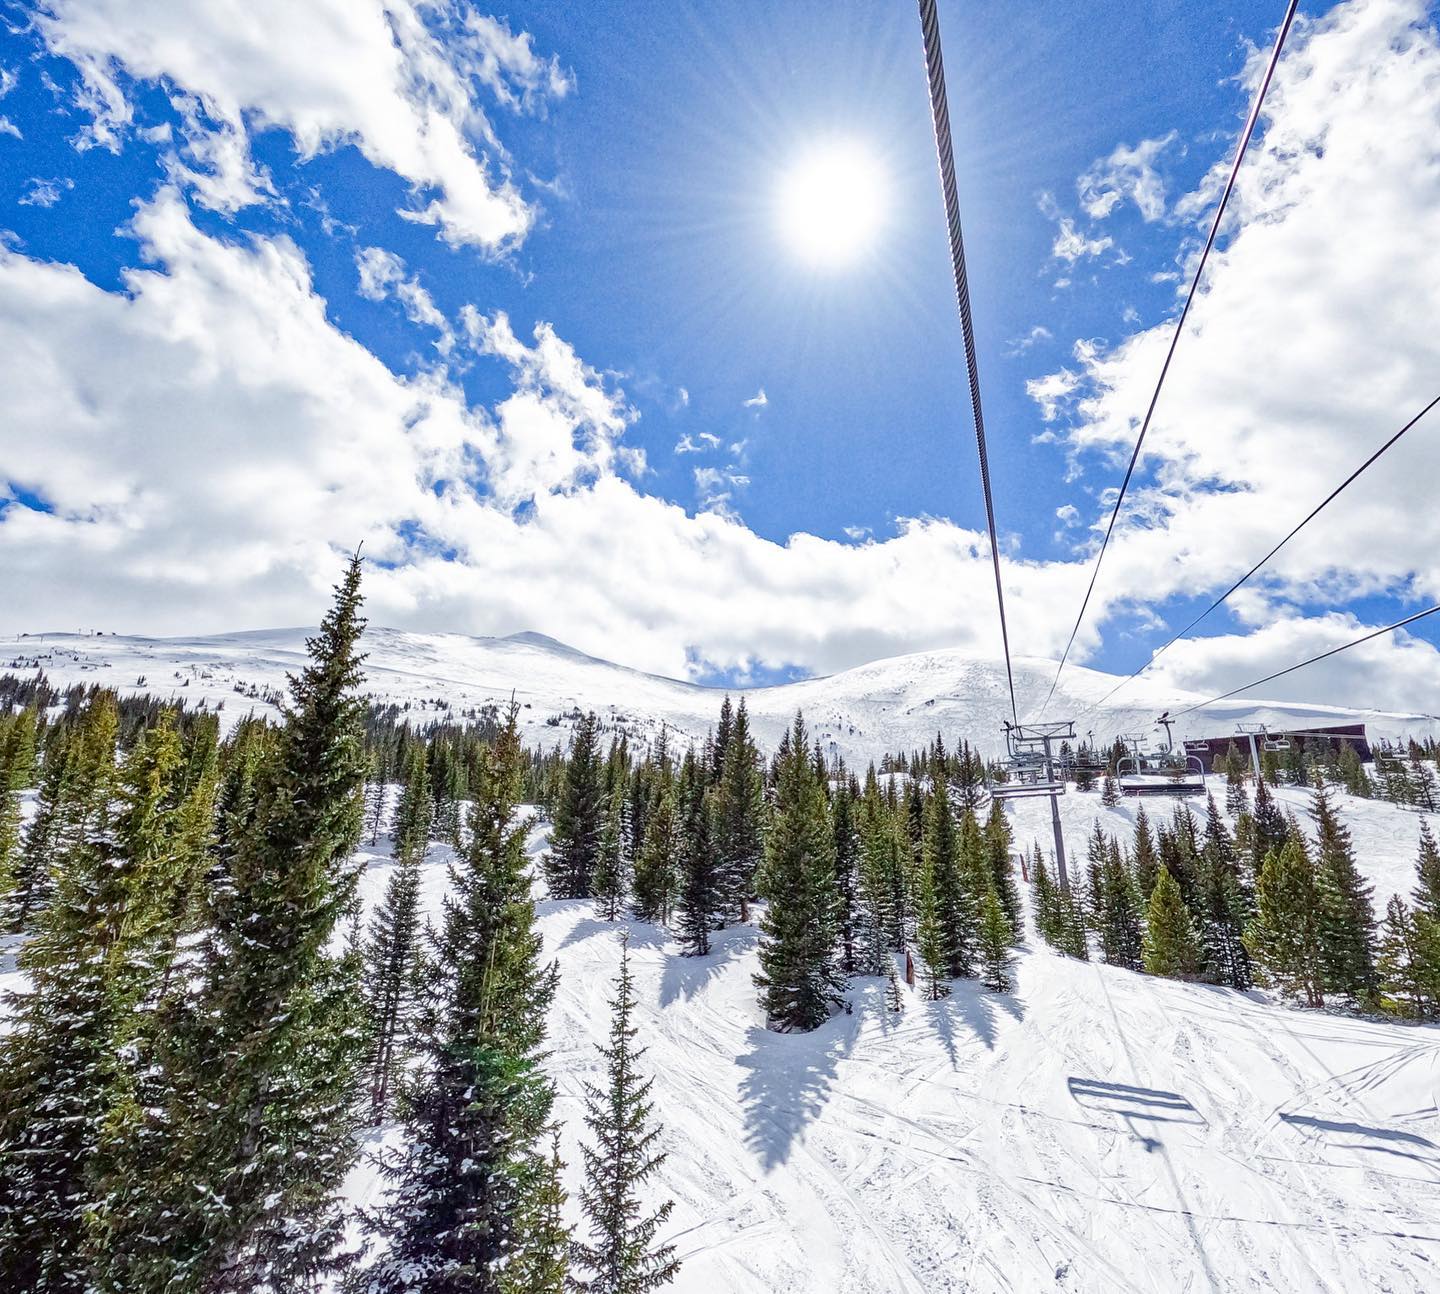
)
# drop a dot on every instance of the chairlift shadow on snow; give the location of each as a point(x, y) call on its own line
point(685, 976)
point(1364, 1136)
point(1134, 1105)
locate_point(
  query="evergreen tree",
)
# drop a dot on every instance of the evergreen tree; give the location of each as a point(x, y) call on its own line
point(17, 772)
point(374, 799)
point(930, 936)
point(950, 878)
point(1408, 961)
point(1427, 889)
point(798, 978)
point(579, 816)
point(701, 895)
point(1110, 791)
point(1145, 861)
point(461, 1214)
point(1284, 937)
point(996, 935)
point(609, 881)
point(392, 955)
point(253, 1131)
point(1237, 769)
point(1270, 829)
point(1347, 921)
point(847, 865)
point(61, 1073)
point(879, 928)
point(543, 1265)
point(1224, 905)
point(1121, 931)
point(75, 789)
point(1352, 772)
point(1171, 948)
point(740, 808)
point(894, 1000)
point(655, 880)
point(998, 843)
point(622, 1256)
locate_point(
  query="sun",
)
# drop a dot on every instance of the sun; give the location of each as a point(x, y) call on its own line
point(831, 204)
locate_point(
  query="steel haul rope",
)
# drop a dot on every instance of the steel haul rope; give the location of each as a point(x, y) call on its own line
point(945, 151)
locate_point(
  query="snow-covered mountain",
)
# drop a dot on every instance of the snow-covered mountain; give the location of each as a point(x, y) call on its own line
point(861, 713)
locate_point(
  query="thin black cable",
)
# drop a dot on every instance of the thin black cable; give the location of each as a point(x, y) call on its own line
point(945, 151)
point(1225, 696)
point(1224, 596)
point(1179, 328)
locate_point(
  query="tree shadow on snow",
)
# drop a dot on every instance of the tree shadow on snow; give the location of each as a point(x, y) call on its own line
point(788, 1080)
point(686, 976)
point(642, 933)
point(973, 1008)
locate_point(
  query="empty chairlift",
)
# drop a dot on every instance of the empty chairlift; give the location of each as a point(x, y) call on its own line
point(1166, 771)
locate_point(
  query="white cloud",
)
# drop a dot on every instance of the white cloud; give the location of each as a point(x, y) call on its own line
point(395, 78)
point(8, 127)
point(44, 193)
point(214, 161)
point(1307, 347)
point(382, 275)
point(1071, 245)
point(1052, 391)
point(702, 443)
point(757, 401)
point(1127, 174)
point(1393, 672)
point(1068, 513)
point(1019, 345)
point(210, 445)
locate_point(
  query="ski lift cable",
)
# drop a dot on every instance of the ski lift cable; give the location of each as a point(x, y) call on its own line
point(1245, 137)
point(1375, 633)
point(1314, 512)
point(945, 153)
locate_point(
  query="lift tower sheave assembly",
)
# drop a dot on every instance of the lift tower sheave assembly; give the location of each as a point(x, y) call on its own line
point(1030, 771)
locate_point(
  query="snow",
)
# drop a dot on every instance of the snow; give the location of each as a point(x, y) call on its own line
point(1096, 1130)
point(861, 714)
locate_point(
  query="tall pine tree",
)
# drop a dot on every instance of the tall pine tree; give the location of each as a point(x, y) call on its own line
point(799, 980)
point(621, 1256)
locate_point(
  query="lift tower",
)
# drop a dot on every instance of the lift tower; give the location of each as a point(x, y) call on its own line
point(1030, 772)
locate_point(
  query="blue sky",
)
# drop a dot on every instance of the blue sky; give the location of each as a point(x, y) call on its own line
point(646, 142)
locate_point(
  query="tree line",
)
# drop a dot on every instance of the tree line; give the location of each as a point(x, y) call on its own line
point(852, 873)
point(1267, 902)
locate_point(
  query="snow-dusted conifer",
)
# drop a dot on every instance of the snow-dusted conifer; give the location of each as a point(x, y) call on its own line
point(621, 1256)
point(1284, 937)
point(476, 1108)
point(1347, 920)
point(799, 980)
point(1171, 947)
point(579, 815)
point(392, 953)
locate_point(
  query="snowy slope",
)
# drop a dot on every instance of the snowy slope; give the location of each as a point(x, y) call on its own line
point(1093, 1131)
point(887, 705)
point(1096, 1130)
